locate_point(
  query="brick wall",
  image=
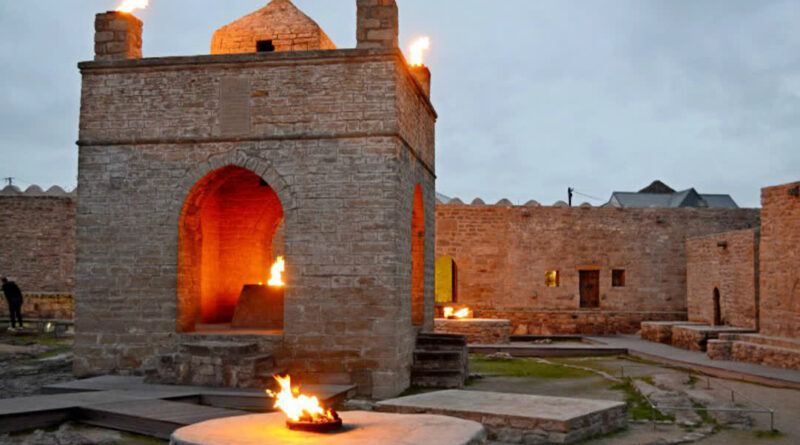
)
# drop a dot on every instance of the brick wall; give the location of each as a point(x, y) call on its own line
point(503, 252)
point(281, 22)
point(341, 165)
point(37, 245)
point(727, 262)
point(780, 261)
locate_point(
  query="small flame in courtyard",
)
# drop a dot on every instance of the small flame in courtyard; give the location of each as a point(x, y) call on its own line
point(276, 273)
point(129, 6)
point(303, 412)
point(417, 51)
point(452, 314)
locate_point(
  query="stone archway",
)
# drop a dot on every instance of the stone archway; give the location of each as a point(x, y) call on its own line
point(227, 227)
point(418, 258)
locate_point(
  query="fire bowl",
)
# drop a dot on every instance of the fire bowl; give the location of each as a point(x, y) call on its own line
point(360, 428)
point(315, 427)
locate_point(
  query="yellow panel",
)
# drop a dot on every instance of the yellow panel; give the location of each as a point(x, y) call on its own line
point(444, 280)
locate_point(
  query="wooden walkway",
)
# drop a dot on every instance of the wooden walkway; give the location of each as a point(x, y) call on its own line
point(129, 404)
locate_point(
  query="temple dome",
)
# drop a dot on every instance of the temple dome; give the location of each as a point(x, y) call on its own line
point(279, 25)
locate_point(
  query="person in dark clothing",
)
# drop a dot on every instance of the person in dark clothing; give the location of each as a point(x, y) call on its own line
point(14, 297)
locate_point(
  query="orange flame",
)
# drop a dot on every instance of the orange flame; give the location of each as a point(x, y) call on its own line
point(276, 273)
point(417, 51)
point(451, 313)
point(132, 5)
point(299, 407)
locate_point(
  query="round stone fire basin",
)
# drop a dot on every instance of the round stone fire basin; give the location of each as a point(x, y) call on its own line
point(360, 428)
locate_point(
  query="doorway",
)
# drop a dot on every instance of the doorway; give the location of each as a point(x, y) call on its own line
point(590, 289)
point(717, 308)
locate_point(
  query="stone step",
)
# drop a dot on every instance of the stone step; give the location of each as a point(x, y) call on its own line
point(442, 342)
point(428, 360)
point(426, 355)
point(220, 349)
point(437, 378)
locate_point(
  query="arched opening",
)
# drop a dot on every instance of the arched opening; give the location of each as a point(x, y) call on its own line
point(228, 239)
point(446, 280)
point(418, 259)
point(717, 308)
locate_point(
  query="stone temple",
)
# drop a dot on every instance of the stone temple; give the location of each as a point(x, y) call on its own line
point(195, 173)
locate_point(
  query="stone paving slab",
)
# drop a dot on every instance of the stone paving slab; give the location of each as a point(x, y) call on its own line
point(520, 418)
point(360, 428)
point(122, 403)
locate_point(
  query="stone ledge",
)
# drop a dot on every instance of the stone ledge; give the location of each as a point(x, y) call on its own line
point(477, 330)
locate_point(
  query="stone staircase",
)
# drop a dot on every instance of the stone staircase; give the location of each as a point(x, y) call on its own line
point(440, 361)
point(223, 364)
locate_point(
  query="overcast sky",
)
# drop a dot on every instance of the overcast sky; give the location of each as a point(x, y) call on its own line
point(533, 96)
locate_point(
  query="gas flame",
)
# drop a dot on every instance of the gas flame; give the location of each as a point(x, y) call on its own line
point(276, 273)
point(417, 51)
point(451, 313)
point(299, 407)
point(132, 5)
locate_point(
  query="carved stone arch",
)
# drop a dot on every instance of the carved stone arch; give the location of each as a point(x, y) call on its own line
point(205, 296)
point(233, 158)
point(796, 294)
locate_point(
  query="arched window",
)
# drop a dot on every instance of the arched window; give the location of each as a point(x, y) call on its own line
point(226, 242)
point(446, 280)
point(418, 259)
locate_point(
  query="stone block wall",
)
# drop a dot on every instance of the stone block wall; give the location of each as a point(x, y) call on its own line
point(780, 261)
point(38, 239)
point(44, 306)
point(727, 262)
point(503, 252)
point(336, 155)
point(478, 331)
point(279, 22)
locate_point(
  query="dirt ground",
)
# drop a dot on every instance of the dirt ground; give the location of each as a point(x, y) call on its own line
point(712, 429)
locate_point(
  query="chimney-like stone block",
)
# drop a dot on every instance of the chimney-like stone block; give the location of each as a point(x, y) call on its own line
point(118, 36)
point(378, 24)
point(423, 76)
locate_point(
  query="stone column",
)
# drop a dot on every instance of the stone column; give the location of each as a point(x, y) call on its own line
point(378, 25)
point(118, 36)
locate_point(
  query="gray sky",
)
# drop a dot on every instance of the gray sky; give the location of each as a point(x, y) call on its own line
point(533, 96)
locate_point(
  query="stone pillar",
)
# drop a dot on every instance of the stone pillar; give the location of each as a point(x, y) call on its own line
point(378, 25)
point(118, 36)
point(423, 76)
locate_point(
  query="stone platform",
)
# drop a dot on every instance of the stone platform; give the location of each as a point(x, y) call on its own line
point(360, 428)
point(754, 348)
point(519, 418)
point(661, 331)
point(481, 331)
point(696, 338)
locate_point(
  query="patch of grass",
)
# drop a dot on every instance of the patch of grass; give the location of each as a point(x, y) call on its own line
point(692, 381)
point(701, 411)
point(597, 363)
point(764, 434)
point(638, 408)
point(525, 368)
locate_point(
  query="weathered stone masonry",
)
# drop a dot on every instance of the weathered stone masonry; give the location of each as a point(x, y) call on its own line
point(38, 239)
point(502, 254)
point(343, 138)
point(727, 263)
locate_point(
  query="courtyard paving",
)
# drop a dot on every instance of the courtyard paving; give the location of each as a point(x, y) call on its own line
point(29, 363)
